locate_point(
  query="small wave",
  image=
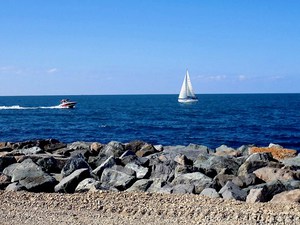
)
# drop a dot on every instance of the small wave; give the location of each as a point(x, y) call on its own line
point(17, 107)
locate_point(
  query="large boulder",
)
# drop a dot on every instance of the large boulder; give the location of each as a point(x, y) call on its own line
point(287, 197)
point(140, 185)
point(163, 170)
point(87, 184)
point(109, 163)
point(268, 174)
point(232, 191)
point(69, 183)
point(210, 192)
point(159, 186)
point(224, 150)
point(199, 180)
point(146, 150)
point(42, 183)
point(113, 148)
point(118, 178)
point(141, 172)
point(79, 145)
point(278, 152)
point(256, 195)
point(183, 189)
point(49, 164)
point(74, 163)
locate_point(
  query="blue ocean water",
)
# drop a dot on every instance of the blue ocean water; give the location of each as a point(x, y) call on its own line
point(231, 119)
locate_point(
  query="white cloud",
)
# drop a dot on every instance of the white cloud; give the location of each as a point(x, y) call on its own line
point(242, 77)
point(10, 70)
point(52, 70)
point(213, 78)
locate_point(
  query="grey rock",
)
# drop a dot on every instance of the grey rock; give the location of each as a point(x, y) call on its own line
point(113, 148)
point(30, 151)
point(110, 162)
point(164, 170)
point(141, 172)
point(183, 160)
point(87, 184)
point(140, 185)
point(232, 191)
point(74, 163)
point(199, 180)
point(159, 186)
point(183, 189)
point(69, 183)
point(49, 164)
point(79, 145)
point(146, 150)
point(15, 186)
point(210, 192)
point(264, 156)
point(4, 181)
point(249, 166)
point(116, 178)
point(42, 183)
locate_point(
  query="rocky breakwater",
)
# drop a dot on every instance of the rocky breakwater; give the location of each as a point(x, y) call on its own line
point(248, 173)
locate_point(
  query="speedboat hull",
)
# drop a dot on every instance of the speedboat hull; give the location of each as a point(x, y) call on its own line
point(67, 105)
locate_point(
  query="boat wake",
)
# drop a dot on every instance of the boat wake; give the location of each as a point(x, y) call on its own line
point(17, 107)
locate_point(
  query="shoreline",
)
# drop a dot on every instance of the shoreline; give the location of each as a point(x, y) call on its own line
point(185, 179)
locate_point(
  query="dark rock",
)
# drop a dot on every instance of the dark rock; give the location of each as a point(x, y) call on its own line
point(95, 148)
point(232, 191)
point(94, 162)
point(116, 178)
point(49, 164)
point(42, 183)
point(79, 145)
point(220, 180)
point(140, 185)
point(199, 180)
point(74, 163)
point(159, 186)
point(256, 195)
point(247, 180)
point(135, 146)
point(183, 160)
point(69, 183)
point(250, 166)
point(6, 161)
point(4, 181)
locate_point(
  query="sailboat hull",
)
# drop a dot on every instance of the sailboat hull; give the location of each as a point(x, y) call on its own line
point(190, 100)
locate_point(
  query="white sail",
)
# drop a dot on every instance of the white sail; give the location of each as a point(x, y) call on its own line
point(186, 93)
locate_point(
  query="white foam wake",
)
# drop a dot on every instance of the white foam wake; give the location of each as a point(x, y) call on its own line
point(17, 107)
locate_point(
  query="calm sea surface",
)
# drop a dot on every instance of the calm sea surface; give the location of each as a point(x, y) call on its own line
point(233, 120)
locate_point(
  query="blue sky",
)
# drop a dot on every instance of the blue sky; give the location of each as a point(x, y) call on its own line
point(144, 47)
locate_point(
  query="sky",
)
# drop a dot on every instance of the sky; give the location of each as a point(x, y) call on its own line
point(72, 47)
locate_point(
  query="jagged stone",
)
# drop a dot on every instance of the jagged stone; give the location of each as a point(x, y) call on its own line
point(87, 184)
point(113, 148)
point(287, 197)
point(6, 161)
point(140, 185)
point(210, 192)
point(109, 163)
point(256, 195)
point(141, 172)
point(74, 163)
point(232, 191)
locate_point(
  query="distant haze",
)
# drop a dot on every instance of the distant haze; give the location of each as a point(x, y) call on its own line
point(144, 47)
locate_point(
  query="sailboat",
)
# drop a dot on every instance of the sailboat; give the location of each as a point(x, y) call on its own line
point(187, 94)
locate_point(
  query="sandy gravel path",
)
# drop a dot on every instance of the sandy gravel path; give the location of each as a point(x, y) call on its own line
point(137, 208)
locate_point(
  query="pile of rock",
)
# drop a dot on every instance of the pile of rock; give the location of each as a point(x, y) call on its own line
point(241, 174)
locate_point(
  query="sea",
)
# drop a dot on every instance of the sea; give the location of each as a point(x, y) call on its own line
point(216, 119)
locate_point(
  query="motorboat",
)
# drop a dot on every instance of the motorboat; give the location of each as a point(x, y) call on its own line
point(67, 104)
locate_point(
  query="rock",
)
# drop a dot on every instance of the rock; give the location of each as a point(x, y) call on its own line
point(210, 192)
point(183, 160)
point(6, 161)
point(215, 164)
point(87, 184)
point(164, 170)
point(199, 180)
point(96, 148)
point(30, 151)
point(146, 150)
point(19, 171)
point(135, 146)
point(244, 149)
point(256, 195)
point(141, 172)
point(69, 183)
point(4, 181)
point(116, 178)
point(180, 169)
point(277, 152)
point(52, 145)
point(109, 163)
point(191, 152)
point(183, 189)
point(270, 189)
point(224, 150)
point(232, 191)
point(140, 185)
point(295, 162)
point(15, 187)
point(74, 163)
point(159, 186)
point(199, 148)
point(113, 148)
point(287, 197)
point(247, 180)
point(220, 180)
point(263, 156)
point(79, 145)
point(268, 174)
point(49, 164)
point(42, 183)
point(159, 148)
point(128, 157)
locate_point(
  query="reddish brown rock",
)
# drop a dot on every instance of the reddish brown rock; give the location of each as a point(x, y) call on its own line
point(277, 152)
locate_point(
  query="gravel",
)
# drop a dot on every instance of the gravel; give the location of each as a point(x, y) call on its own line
point(101, 207)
